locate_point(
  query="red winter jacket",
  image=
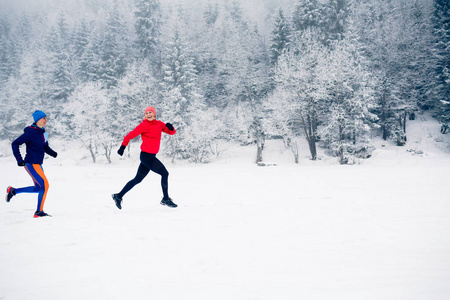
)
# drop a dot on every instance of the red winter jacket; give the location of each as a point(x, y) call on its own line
point(150, 132)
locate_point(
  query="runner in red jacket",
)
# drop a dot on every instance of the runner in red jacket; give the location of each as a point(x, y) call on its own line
point(150, 130)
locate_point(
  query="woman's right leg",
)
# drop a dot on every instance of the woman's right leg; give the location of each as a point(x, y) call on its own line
point(141, 173)
point(40, 184)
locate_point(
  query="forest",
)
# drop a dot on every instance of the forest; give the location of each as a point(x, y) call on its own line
point(337, 72)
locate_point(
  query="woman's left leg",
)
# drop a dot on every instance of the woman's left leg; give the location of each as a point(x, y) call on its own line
point(158, 167)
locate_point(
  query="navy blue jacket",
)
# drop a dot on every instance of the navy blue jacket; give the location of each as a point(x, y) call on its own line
point(35, 139)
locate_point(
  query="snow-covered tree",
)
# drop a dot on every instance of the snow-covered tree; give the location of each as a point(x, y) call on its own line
point(8, 55)
point(349, 119)
point(180, 98)
point(219, 68)
point(258, 85)
point(282, 119)
point(179, 69)
point(441, 20)
point(211, 14)
point(243, 71)
point(395, 38)
point(114, 47)
point(29, 91)
point(58, 44)
point(307, 14)
point(81, 37)
point(280, 38)
point(148, 29)
point(91, 58)
point(90, 107)
point(336, 12)
point(303, 87)
point(25, 31)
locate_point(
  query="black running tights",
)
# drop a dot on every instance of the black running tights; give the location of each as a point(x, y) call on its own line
point(149, 162)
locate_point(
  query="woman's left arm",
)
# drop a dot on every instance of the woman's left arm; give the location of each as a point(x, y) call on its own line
point(169, 129)
point(50, 151)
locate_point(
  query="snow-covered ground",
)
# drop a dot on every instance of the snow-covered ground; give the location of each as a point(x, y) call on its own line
point(317, 230)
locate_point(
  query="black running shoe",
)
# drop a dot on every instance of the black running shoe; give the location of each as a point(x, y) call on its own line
point(10, 192)
point(117, 200)
point(168, 202)
point(40, 214)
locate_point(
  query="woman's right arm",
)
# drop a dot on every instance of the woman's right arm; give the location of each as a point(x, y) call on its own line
point(134, 133)
point(15, 147)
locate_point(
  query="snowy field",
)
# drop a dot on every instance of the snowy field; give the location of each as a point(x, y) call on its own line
point(318, 230)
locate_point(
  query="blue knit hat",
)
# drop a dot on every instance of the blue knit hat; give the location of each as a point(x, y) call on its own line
point(39, 114)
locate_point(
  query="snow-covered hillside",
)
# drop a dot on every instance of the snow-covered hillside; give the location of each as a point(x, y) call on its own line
point(316, 230)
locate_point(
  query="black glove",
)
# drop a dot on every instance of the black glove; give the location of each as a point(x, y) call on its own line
point(169, 126)
point(55, 155)
point(21, 164)
point(121, 149)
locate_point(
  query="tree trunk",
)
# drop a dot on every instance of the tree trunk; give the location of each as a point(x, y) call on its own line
point(341, 147)
point(310, 133)
point(383, 125)
point(383, 116)
point(107, 152)
point(294, 149)
point(91, 149)
point(260, 140)
point(404, 121)
point(259, 151)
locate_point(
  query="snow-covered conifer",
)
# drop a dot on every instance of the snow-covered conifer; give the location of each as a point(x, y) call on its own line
point(441, 20)
point(309, 14)
point(281, 36)
point(348, 120)
point(115, 46)
point(148, 29)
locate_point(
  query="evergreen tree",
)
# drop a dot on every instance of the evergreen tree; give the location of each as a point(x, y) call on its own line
point(179, 70)
point(236, 13)
point(16, 38)
point(80, 45)
point(414, 43)
point(89, 65)
point(148, 29)
point(215, 62)
point(8, 56)
point(211, 14)
point(29, 91)
point(308, 14)
point(180, 100)
point(337, 13)
point(441, 20)
point(244, 69)
point(280, 38)
point(114, 48)
point(348, 118)
point(23, 33)
point(394, 38)
point(62, 60)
